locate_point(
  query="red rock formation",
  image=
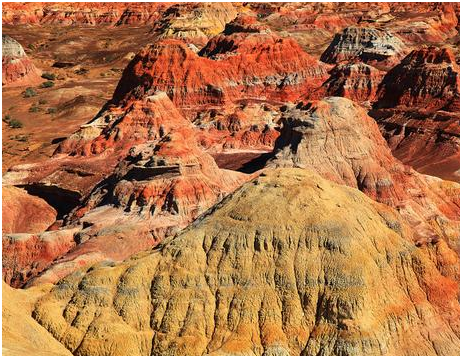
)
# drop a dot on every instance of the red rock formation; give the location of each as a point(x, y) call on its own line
point(428, 77)
point(169, 173)
point(356, 81)
point(24, 213)
point(336, 138)
point(26, 255)
point(258, 65)
point(418, 111)
point(246, 126)
point(164, 182)
point(75, 13)
point(17, 68)
point(368, 44)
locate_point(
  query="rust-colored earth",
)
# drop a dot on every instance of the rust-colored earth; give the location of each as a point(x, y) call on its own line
point(231, 178)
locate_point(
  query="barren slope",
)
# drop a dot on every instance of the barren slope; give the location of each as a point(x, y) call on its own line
point(288, 264)
point(21, 335)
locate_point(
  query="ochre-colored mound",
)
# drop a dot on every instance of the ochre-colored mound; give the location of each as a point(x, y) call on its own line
point(288, 264)
point(336, 138)
point(195, 22)
point(21, 335)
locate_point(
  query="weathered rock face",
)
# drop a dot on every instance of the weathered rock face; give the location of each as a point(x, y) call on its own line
point(117, 129)
point(418, 111)
point(313, 279)
point(17, 68)
point(435, 22)
point(195, 22)
point(24, 213)
point(244, 126)
point(172, 175)
point(76, 13)
point(26, 255)
point(356, 81)
point(336, 138)
point(429, 142)
point(369, 45)
point(164, 182)
point(259, 65)
point(428, 77)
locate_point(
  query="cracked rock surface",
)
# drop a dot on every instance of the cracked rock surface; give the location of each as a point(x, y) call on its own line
point(288, 264)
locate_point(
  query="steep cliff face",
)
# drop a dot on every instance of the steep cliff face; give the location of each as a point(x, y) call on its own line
point(428, 77)
point(367, 44)
point(257, 65)
point(418, 111)
point(17, 68)
point(336, 138)
point(356, 81)
point(313, 279)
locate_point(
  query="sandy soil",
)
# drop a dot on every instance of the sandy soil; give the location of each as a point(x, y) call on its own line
point(97, 57)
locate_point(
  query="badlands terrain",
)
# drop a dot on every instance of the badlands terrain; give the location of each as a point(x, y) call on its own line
point(230, 178)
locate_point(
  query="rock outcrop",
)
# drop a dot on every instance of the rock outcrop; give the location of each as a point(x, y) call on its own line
point(195, 22)
point(24, 256)
point(241, 63)
point(370, 45)
point(24, 213)
point(336, 138)
point(17, 67)
point(428, 78)
point(313, 279)
point(87, 14)
point(418, 111)
point(356, 81)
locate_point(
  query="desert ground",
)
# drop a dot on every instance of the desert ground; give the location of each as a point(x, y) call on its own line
point(231, 178)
